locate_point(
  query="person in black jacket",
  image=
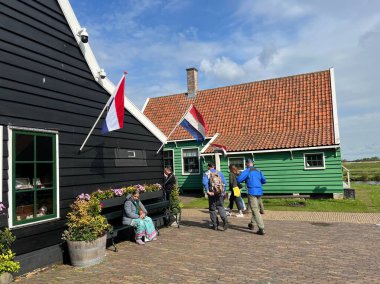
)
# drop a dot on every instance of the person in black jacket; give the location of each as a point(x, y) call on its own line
point(234, 172)
point(169, 181)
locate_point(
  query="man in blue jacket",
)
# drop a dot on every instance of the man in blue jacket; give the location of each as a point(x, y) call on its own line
point(254, 180)
point(215, 198)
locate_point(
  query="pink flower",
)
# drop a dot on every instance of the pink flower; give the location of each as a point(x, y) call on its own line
point(83, 196)
point(2, 207)
point(118, 191)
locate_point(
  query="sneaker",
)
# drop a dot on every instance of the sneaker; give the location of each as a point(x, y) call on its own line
point(225, 226)
point(228, 213)
point(214, 228)
point(262, 212)
point(140, 242)
point(240, 215)
point(261, 232)
point(250, 226)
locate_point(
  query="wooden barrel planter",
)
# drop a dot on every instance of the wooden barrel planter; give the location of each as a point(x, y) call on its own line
point(6, 278)
point(83, 254)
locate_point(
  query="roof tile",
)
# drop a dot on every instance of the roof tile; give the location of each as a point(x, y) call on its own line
point(287, 112)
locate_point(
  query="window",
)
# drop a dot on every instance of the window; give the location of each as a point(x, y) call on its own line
point(190, 161)
point(314, 161)
point(34, 192)
point(168, 159)
point(238, 162)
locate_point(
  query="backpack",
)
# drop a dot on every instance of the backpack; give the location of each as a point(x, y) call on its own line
point(215, 183)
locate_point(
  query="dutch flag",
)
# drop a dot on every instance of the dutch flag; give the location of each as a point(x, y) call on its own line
point(115, 116)
point(194, 123)
point(221, 148)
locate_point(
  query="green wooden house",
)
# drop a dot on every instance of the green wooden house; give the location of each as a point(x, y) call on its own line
point(288, 125)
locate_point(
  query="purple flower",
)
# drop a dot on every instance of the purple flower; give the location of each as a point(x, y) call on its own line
point(2, 207)
point(140, 188)
point(118, 191)
point(100, 191)
point(83, 196)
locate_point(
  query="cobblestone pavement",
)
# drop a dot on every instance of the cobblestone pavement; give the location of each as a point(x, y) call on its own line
point(290, 252)
point(358, 218)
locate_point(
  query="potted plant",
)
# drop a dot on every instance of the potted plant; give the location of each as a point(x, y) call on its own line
point(7, 263)
point(86, 234)
point(175, 205)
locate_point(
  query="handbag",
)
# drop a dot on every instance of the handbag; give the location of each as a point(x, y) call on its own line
point(236, 191)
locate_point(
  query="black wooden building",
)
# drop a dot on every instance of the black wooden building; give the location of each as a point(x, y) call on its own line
point(50, 96)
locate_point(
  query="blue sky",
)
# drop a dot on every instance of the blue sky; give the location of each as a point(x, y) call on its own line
point(232, 42)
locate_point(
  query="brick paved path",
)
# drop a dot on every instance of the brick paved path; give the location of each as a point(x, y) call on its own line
point(290, 252)
point(358, 218)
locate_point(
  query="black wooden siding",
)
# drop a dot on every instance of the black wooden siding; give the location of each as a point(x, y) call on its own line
point(45, 83)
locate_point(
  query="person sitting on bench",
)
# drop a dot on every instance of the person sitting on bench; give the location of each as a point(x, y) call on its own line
point(135, 215)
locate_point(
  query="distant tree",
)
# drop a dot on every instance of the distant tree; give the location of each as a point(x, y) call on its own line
point(368, 159)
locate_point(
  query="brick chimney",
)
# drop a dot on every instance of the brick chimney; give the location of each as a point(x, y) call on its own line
point(192, 82)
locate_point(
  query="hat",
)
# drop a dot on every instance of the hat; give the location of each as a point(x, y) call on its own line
point(249, 161)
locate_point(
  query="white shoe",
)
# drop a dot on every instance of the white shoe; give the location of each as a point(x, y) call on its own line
point(239, 215)
point(228, 214)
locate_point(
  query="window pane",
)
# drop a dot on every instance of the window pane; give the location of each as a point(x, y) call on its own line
point(238, 162)
point(191, 165)
point(168, 154)
point(44, 175)
point(24, 147)
point(44, 148)
point(314, 161)
point(44, 202)
point(190, 152)
point(24, 205)
point(24, 176)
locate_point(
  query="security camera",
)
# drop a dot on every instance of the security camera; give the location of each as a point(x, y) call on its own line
point(102, 73)
point(83, 35)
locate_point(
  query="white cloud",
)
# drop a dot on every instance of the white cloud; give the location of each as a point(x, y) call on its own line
point(263, 39)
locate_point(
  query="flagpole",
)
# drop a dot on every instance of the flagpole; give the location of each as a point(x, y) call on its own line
point(167, 138)
point(100, 115)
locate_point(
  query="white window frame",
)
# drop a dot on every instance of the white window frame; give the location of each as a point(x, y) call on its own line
point(199, 162)
point(10, 176)
point(173, 169)
point(237, 157)
point(314, 168)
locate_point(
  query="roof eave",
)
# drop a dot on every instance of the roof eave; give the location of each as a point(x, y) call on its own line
point(95, 68)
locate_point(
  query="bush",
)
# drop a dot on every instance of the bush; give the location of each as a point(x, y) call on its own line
point(84, 221)
point(7, 263)
point(175, 202)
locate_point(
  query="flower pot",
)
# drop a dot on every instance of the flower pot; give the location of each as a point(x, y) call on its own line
point(158, 194)
point(6, 278)
point(3, 220)
point(83, 254)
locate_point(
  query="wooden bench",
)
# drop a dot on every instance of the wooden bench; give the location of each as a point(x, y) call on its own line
point(157, 210)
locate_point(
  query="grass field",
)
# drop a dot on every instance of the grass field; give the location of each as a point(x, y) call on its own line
point(367, 200)
point(363, 170)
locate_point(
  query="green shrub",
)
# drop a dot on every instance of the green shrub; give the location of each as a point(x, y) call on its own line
point(84, 221)
point(175, 202)
point(7, 263)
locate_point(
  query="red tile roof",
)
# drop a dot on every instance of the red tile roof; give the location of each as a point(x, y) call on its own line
point(288, 112)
